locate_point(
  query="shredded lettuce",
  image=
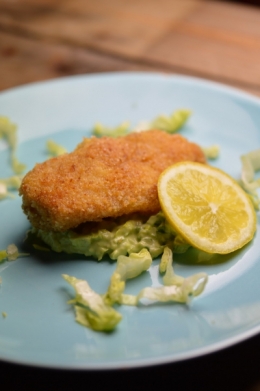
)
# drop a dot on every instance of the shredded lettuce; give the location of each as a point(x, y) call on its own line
point(172, 122)
point(175, 288)
point(95, 311)
point(175, 293)
point(91, 310)
point(8, 131)
point(126, 268)
point(211, 152)
point(3, 255)
point(167, 255)
point(116, 238)
point(55, 149)
point(11, 253)
point(3, 191)
point(169, 124)
point(11, 183)
point(120, 130)
point(250, 165)
point(169, 278)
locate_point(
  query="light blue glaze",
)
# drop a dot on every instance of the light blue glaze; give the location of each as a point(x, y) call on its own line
point(39, 328)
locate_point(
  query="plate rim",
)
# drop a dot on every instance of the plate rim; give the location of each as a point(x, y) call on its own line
point(137, 74)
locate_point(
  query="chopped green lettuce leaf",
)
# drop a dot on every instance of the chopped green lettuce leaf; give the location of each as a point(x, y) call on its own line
point(8, 131)
point(165, 259)
point(170, 278)
point(211, 152)
point(126, 268)
point(250, 165)
point(191, 286)
point(3, 255)
point(172, 122)
point(3, 191)
point(95, 311)
point(117, 238)
point(11, 253)
point(169, 124)
point(91, 310)
point(176, 288)
point(120, 130)
point(11, 183)
point(55, 149)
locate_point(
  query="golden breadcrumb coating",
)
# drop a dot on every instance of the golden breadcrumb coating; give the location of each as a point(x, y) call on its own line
point(103, 177)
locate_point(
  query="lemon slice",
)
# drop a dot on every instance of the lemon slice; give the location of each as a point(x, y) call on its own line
point(206, 207)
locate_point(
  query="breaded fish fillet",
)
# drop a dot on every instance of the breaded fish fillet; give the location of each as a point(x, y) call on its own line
point(103, 177)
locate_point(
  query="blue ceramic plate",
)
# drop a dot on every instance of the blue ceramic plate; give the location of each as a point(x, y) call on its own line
point(40, 328)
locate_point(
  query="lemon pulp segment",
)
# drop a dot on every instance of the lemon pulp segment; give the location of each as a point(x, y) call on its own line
point(206, 207)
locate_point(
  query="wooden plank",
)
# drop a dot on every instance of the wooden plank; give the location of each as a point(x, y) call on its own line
point(118, 27)
point(218, 40)
point(24, 60)
point(199, 40)
point(145, 12)
point(233, 20)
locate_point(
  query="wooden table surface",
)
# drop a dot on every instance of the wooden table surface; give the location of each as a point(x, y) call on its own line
point(45, 39)
point(215, 40)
